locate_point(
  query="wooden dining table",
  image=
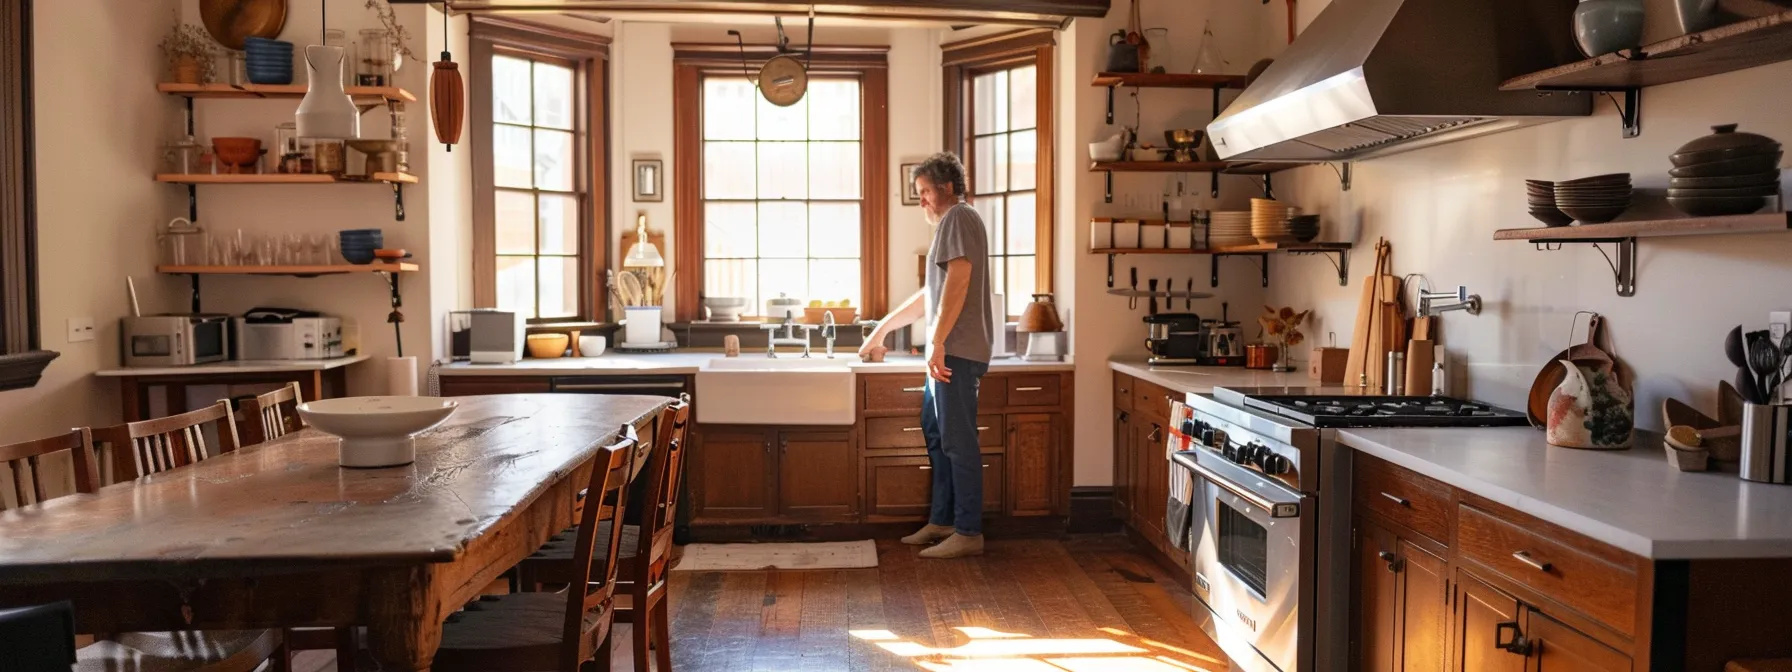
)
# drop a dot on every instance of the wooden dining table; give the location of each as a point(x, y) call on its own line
point(277, 535)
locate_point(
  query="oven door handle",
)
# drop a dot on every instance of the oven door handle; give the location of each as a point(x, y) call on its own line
point(1275, 509)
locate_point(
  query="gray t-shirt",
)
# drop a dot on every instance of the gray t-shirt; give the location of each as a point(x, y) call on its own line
point(961, 236)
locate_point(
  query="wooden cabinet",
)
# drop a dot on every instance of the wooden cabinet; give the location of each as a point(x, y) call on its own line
point(1489, 634)
point(1403, 603)
point(1558, 648)
point(733, 474)
point(816, 476)
point(1032, 463)
point(466, 386)
point(901, 488)
point(1122, 463)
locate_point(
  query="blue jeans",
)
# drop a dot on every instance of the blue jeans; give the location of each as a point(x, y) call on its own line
point(949, 422)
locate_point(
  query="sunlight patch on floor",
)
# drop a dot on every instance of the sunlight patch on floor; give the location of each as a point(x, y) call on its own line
point(996, 651)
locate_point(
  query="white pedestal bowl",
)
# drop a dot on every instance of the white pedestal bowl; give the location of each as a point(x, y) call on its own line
point(376, 431)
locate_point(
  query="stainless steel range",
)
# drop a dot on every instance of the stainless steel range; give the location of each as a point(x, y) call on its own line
point(1265, 496)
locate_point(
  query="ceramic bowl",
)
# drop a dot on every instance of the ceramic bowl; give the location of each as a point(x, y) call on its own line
point(1771, 177)
point(547, 346)
point(592, 346)
point(1144, 154)
point(1594, 214)
point(237, 151)
point(1722, 154)
point(1099, 151)
point(1763, 190)
point(1604, 26)
point(1609, 178)
point(1715, 206)
point(725, 308)
point(1725, 136)
point(1745, 165)
point(1551, 216)
point(376, 431)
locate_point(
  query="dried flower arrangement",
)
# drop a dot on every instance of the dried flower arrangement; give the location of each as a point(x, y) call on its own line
point(401, 37)
point(1283, 324)
point(190, 53)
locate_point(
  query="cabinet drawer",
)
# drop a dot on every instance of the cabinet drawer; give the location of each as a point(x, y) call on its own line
point(901, 432)
point(1403, 497)
point(462, 386)
point(893, 392)
point(1123, 385)
point(1152, 400)
point(1035, 390)
point(1565, 568)
point(902, 487)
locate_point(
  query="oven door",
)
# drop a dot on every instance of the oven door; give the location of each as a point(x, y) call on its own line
point(1252, 543)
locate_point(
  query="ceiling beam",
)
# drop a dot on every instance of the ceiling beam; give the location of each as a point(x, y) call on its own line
point(1047, 13)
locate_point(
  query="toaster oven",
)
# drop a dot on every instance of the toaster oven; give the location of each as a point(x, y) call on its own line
point(294, 338)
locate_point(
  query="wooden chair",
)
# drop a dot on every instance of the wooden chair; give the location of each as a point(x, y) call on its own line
point(22, 460)
point(270, 416)
point(147, 447)
point(646, 552)
point(567, 631)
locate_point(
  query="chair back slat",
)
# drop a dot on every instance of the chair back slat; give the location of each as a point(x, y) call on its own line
point(270, 416)
point(23, 462)
point(157, 445)
point(593, 592)
point(667, 473)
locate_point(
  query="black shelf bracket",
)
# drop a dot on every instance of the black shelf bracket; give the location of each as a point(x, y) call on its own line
point(1107, 181)
point(396, 317)
point(1269, 190)
point(1110, 271)
point(1262, 262)
point(1630, 112)
point(1111, 104)
point(1344, 176)
point(193, 283)
point(398, 201)
point(1214, 182)
point(192, 195)
point(1623, 268)
point(1341, 262)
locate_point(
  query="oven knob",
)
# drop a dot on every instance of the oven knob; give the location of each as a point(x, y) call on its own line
point(1247, 454)
point(1274, 464)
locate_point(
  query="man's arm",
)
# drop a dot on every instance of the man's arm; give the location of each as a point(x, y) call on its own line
point(906, 313)
point(952, 296)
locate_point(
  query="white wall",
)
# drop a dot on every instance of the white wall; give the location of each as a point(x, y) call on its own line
point(1103, 326)
point(450, 200)
point(1440, 206)
point(642, 123)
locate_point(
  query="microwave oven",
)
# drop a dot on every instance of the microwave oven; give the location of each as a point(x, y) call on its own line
point(293, 338)
point(176, 339)
point(485, 336)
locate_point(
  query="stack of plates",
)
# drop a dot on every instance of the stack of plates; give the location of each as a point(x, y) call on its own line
point(1231, 227)
point(1542, 196)
point(268, 61)
point(1304, 227)
point(1594, 200)
point(1269, 221)
point(1726, 173)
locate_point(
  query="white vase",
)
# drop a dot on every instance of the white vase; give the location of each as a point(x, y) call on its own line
point(643, 326)
point(326, 111)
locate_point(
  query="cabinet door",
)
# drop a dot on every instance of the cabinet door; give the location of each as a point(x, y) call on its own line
point(1123, 478)
point(1558, 648)
point(734, 475)
point(1424, 608)
point(1377, 598)
point(1157, 481)
point(1486, 618)
point(1136, 445)
point(900, 488)
point(464, 386)
point(817, 476)
point(1032, 463)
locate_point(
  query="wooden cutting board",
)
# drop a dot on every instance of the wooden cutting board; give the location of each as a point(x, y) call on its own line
point(232, 21)
point(1380, 327)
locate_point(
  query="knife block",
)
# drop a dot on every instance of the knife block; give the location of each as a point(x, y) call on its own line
point(1327, 364)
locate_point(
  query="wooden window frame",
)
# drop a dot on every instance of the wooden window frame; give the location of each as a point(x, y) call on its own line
point(871, 65)
point(590, 57)
point(22, 363)
point(962, 62)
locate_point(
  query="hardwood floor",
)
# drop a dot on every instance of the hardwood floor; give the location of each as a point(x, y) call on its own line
point(1088, 604)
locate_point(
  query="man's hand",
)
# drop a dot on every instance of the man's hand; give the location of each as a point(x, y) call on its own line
point(936, 365)
point(873, 351)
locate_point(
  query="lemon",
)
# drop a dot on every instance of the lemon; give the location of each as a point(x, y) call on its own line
point(815, 303)
point(846, 303)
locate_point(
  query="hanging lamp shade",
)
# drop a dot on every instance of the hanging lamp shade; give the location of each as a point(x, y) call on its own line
point(326, 111)
point(447, 100)
point(642, 254)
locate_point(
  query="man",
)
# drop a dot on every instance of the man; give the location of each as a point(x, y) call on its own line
point(955, 303)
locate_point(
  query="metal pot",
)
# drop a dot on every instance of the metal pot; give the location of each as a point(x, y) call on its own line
point(1122, 56)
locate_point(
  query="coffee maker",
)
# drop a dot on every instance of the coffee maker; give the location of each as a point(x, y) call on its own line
point(1175, 339)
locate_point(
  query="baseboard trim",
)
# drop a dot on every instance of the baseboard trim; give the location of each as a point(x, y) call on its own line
point(1092, 510)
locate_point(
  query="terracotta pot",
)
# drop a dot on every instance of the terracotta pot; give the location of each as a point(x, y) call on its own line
point(188, 69)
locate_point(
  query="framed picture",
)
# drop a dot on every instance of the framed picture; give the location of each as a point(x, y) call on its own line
point(647, 181)
point(907, 173)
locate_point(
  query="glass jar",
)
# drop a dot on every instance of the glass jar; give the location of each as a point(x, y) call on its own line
point(403, 137)
point(182, 157)
point(330, 157)
point(375, 58)
point(286, 148)
point(182, 243)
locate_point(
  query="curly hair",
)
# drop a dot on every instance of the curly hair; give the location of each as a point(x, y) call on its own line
point(943, 168)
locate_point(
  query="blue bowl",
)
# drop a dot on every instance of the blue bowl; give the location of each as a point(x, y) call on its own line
point(357, 257)
point(270, 78)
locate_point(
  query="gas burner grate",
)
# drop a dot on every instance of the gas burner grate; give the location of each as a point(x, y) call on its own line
point(1338, 411)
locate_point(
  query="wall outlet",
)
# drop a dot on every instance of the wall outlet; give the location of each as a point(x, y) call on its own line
point(80, 329)
point(1778, 323)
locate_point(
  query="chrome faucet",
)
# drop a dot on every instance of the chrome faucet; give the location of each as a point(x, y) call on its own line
point(829, 330)
point(789, 327)
point(1458, 300)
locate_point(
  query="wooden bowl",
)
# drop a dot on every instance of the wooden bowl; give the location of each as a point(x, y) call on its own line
point(391, 254)
point(1687, 460)
point(842, 316)
point(548, 346)
point(1724, 443)
point(237, 151)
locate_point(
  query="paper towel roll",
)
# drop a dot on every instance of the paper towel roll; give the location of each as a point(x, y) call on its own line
point(401, 376)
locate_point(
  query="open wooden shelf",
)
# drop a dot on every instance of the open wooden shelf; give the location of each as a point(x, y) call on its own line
point(1770, 222)
point(1738, 46)
point(390, 94)
point(1168, 80)
point(285, 178)
point(333, 269)
point(1259, 248)
point(1229, 167)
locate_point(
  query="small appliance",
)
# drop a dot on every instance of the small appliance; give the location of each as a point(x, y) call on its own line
point(287, 333)
point(485, 336)
point(1174, 338)
point(175, 339)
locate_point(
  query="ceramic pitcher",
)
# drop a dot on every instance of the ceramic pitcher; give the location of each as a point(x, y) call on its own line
point(326, 111)
point(1590, 409)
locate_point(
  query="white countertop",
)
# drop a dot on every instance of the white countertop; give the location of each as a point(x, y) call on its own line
point(688, 361)
point(1202, 379)
point(1632, 499)
point(237, 367)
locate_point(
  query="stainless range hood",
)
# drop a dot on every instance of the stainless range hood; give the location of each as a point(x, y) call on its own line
point(1375, 77)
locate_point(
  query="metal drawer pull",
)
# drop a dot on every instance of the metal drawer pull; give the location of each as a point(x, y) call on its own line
point(911, 429)
point(1533, 563)
point(925, 468)
point(1028, 389)
point(922, 388)
point(1396, 500)
point(1123, 390)
point(1392, 560)
point(982, 429)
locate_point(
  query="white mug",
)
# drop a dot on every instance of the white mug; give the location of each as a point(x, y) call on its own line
point(592, 346)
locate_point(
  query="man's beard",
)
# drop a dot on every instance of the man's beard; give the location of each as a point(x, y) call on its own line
point(933, 220)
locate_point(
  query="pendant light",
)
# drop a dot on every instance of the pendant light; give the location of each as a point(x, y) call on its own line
point(642, 254)
point(447, 95)
point(326, 111)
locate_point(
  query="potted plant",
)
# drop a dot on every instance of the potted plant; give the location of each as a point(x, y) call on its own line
point(1284, 326)
point(189, 51)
